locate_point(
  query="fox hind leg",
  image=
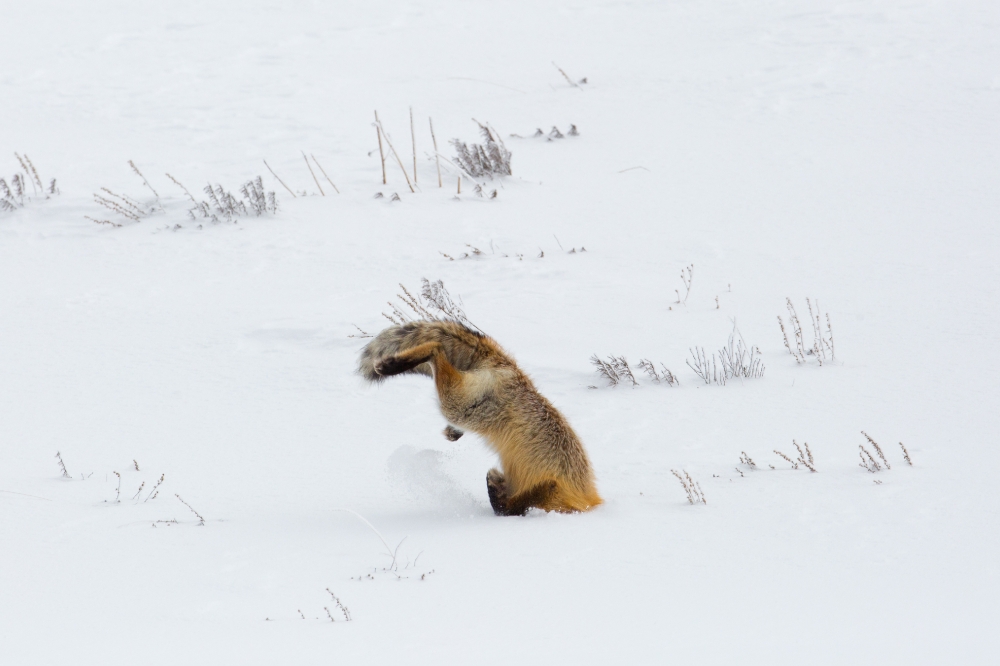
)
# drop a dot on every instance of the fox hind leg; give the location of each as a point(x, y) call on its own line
point(453, 434)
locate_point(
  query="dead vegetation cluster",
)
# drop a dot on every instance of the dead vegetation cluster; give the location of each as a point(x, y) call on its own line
point(821, 349)
point(16, 194)
point(691, 487)
point(736, 360)
point(871, 463)
point(433, 303)
point(616, 370)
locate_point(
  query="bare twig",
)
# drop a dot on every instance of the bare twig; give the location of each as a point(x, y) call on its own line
point(878, 449)
point(566, 76)
point(139, 173)
point(279, 179)
point(437, 157)
point(413, 139)
point(201, 519)
point(324, 173)
point(62, 466)
point(313, 173)
point(388, 141)
point(906, 455)
point(178, 184)
point(381, 153)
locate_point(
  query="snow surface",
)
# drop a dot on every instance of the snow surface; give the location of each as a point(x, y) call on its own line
point(845, 151)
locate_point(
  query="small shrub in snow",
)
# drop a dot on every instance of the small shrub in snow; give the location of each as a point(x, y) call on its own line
point(62, 466)
point(615, 370)
point(667, 377)
point(691, 488)
point(906, 455)
point(491, 158)
point(735, 360)
point(224, 205)
point(15, 195)
point(342, 607)
point(687, 273)
point(822, 348)
point(747, 460)
point(433, 304)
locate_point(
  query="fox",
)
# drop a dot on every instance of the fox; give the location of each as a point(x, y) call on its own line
point(482, 390)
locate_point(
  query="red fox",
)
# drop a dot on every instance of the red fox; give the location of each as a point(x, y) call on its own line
point(481, 389)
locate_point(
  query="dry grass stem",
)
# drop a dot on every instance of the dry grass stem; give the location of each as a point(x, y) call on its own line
point(735, 360)
point(413, 139)
point(139, 173)
point(691, 488)
point(388, 141)
point(313, 173)
point(201, 520)
point(795, 465)
point(437, 156)
point(878, 449)
point(279, 179)
point(615, 370)
point(178, 184)
point(867, 460)
point(323, 171)
point(803, 459)
point(822, 348)
point(747, 460)
point(433, 304)
point(62, 466)
point(342, 607)
point(381, 152)
point(28, 171)
point(666, 377)
point(687, 274)
point(566, 76)
point(118, 490)
point(156, 489)
point(906, 455)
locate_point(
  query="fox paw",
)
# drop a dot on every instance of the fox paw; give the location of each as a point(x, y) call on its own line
point(496, 488)
point(390, 366)
point(453, 434)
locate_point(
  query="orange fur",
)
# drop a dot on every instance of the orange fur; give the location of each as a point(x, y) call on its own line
point(481, 389)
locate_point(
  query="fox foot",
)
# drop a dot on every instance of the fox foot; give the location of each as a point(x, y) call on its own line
point(496, 488)
point(394, 365)
point(518, 505)
point(453, 434)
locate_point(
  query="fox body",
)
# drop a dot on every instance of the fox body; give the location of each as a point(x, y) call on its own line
point(482, 390)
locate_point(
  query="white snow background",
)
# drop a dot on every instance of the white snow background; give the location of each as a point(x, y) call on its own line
point(842, 151)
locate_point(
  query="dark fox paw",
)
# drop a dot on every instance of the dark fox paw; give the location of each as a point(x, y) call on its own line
point(392, 365)
point(496, 488)
point(453, 434)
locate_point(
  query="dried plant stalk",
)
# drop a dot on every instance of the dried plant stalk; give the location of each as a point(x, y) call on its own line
point(139, 173)
point(323, 171)
point(388, 141)
point(437, 156)
point(313, 173)
point(279, 179)
point(878, 449)
point(413, 139)
point(795, 465)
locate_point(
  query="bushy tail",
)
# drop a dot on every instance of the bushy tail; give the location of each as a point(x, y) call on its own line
point(462, 345)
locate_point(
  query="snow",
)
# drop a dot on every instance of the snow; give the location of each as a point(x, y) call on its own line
point(842, 151)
